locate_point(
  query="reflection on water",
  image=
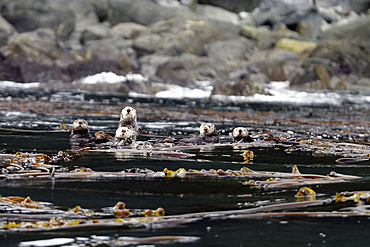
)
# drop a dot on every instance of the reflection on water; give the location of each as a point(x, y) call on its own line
point(30, 122)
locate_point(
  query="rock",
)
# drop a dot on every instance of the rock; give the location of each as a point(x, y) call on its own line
point(291, 13)
point(38, 46)
point(242, 87)
point(351, 28)
point(346, 5)
point(265, 37)
point(95, 32)
point(79, 70)
point(233, 5)
point(229, 52)
point(149, 64)
point(299, 47)
point(85, 12)
point(183, 33)
point(346, 56)
point(28, 15)
point(127, 30)
point(138, 11)
point(146, 43)
point(112, 49)
point(185, 69)
point(217, 13)
point(37, 57)
point(324, 76)
point(6, 30)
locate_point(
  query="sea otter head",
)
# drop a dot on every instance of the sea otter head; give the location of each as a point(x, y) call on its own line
point(124, 133)
point(128, 114)
point(240, 132)
point(80, 125)
point(207, 129)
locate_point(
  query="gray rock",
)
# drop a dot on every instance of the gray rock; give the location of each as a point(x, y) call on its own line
point(149, 64)
point(28, 15)
point(146, 43)
point(127, 30)
point(291, 13)
point(185, 69)
point(233, 5)
point(6, 30)
point(229, 52)
point(352, 28)
point(139, 11)
point(346, 5)
point(217, 13)
point(95, 32)
point(85, 11)
point(112, 49)
point(183, 33)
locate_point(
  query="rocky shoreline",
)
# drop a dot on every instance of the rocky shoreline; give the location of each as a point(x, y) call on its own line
point(237, 47)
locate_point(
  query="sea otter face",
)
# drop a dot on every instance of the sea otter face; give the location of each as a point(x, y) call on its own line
point(128, 113)
point(80, 124)
point(240, 132)
point(123, 133)
point(207, 129)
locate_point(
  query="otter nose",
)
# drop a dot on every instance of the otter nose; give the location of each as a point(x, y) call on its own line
point(240, 131)
point(128, 110)
point(80, 122)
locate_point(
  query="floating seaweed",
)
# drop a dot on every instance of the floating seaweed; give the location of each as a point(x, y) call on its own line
point(158, 220)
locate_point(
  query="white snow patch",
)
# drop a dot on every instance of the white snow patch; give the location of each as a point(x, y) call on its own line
point(47, 242)
point(12, 84)
point(110, 77)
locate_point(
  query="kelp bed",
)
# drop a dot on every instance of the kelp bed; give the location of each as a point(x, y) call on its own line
point(305, 175)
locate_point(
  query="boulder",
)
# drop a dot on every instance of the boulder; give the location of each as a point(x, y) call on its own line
point(95, 32)
point(185, 69)
point(297, 46)
point(351, 28)
point(242, 87)
point(291, 13)
point(217, 13)
point(6, 30)
point(112, 49)
point(139, 11)
point(183, 33)
point(28, 15)
point(127, 30)
point(334, 59)
point(149, 64)
point(233, 5)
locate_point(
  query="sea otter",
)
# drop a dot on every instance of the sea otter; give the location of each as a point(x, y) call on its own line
point(208, 134)
point(240, 135)
point(123, 137)
point(128, 119)
point(81, 136)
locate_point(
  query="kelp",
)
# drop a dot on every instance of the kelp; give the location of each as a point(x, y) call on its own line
point(81, 220)
point(274, 179)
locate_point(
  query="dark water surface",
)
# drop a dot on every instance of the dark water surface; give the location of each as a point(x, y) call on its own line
point(30, 122)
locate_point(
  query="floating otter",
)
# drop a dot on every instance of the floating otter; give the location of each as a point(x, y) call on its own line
point(240, 135)
point(81, 136)
point(128, 119)
point(208, 134)
point(123, 137)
